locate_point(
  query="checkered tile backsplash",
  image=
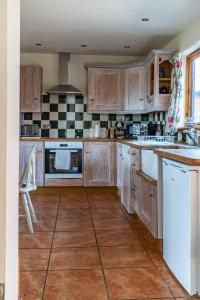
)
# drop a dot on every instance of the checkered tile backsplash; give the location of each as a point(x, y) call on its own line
point(66, 116)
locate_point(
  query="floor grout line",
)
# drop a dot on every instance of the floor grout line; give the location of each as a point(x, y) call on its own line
point(51, 249)
point(98, 247)
point(102, 268)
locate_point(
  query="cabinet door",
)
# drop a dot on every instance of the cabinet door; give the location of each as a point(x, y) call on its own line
point(25, 150)
point(126, 180)
point(148, 207)
point(99, 160)
point(31, 88)
point(149, 85)
point(134, 89)
point(119, 165)
point(105, 89)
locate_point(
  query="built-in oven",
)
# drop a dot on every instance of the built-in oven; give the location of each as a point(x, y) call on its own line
point(63, 160)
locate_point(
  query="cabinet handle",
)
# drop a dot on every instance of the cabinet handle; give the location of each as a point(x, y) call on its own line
point(141, 99)
point(92, 100)
point(151, 195)
point(87, 152)
point(35, 98)
point(133, 165)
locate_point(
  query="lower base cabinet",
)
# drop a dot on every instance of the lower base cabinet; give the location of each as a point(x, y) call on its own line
point(99, 164)
point(147, 206)
point(24, 153)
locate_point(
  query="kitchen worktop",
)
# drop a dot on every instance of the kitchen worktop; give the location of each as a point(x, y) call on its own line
point(130, 143)
point(186, 156)
point(33, 139)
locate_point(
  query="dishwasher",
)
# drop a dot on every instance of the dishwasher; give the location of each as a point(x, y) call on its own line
point(181, 247)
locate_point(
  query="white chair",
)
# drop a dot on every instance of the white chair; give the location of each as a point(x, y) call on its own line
point(28, 184)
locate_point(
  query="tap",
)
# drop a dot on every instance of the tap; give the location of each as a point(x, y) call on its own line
point(194, 136)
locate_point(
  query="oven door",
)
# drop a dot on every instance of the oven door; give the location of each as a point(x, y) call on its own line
point(63, 163)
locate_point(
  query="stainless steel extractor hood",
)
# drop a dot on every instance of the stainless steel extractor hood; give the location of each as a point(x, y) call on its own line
point(64, 88)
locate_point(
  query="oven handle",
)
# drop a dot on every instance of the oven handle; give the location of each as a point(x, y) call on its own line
point(71, 150)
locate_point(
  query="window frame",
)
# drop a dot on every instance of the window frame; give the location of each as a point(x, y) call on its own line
point(189, 60)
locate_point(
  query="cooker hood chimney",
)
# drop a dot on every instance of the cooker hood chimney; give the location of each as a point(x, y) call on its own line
point(64, 88)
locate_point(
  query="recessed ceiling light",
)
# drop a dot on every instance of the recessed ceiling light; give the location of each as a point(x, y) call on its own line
point(83, 46)
point(127, 47)
point(38, 44)
point(145, 19)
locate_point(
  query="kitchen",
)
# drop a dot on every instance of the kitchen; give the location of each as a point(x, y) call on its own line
point(109, 153)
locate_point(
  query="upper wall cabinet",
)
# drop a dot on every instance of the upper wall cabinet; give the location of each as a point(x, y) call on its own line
point(105, 89)
point(134, 89)
point(158, 82)
point(30, 88)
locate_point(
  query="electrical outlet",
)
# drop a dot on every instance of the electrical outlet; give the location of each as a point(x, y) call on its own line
point(1, 291)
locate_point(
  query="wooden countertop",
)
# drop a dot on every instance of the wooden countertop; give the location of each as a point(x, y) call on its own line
point(131, 143)
point(29, 139)
point(186, 156)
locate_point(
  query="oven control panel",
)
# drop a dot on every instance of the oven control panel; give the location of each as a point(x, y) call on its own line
point(63, 145)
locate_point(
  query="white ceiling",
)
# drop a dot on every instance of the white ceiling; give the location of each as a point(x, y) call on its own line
point(106, 26)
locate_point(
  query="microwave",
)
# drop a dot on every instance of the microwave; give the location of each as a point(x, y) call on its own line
point(30, 130)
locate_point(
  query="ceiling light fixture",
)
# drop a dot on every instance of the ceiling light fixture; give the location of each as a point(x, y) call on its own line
point(145, 19)
point(83, 46)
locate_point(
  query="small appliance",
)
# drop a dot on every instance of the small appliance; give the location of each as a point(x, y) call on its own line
point(133, 130)
point(30, 131)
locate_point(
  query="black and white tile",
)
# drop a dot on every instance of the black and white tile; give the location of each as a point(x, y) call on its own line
point(63, 116)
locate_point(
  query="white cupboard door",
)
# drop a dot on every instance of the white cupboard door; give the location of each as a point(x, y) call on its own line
point(25, 150)
point(119, 165)
point(126, 182)
point(99, 160)
point(135, 89)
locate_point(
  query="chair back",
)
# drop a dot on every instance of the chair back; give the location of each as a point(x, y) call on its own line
point(28, 179)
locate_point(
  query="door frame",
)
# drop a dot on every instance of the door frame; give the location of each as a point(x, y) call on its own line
point(9, 144)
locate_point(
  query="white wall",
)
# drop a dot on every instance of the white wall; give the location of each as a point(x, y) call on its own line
point(49, 63)
point(190, 37)
point(9, 142)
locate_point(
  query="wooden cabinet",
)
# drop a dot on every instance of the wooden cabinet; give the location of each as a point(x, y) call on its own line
point(158, 70)
point(145, 191)
point(130, 163)
point(105, 90)
point(30, 88)
point(126, 179)
point(99, 163)
point(134, 89)
point(119, 165)
point(148, 207)
point(25, 150)
point(135, 180)
point(149, 86)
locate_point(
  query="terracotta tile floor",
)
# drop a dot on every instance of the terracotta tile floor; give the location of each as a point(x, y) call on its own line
point(85, 247)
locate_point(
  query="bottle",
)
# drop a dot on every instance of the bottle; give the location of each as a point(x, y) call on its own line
point(111, 131)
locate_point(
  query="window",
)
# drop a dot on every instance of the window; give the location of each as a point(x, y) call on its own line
point(193, 87)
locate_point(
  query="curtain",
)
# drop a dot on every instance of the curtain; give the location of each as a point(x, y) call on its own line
point(173, 116)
